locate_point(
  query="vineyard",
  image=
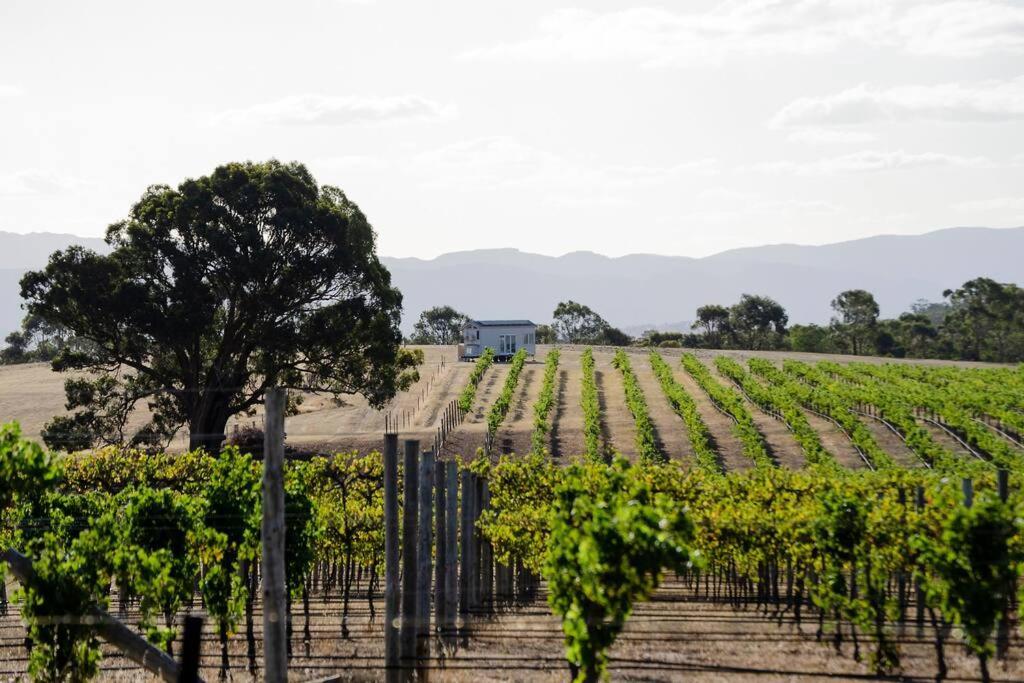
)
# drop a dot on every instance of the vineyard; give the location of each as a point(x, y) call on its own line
point(652, 515)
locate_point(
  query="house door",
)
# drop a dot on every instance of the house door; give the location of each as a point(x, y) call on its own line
point(506, 343)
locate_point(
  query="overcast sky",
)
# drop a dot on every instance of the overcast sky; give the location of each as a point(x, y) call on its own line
point(682, 128)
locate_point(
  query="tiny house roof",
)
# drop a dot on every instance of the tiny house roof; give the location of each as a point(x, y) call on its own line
point(500, 323)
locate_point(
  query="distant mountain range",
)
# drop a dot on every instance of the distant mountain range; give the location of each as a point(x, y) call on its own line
point(643, 290)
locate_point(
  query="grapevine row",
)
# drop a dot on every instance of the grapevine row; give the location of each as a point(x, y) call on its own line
point(496, 415)
point(829, 404)
point(940, 402)
point(469, 392)
point(545, 402)
point(728, 400)
point(646, 445)
point(591, 408)
point(777, 401)
point(686, 408)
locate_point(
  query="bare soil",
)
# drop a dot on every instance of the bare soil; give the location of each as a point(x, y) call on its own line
point(33, 394)
point(678, 635)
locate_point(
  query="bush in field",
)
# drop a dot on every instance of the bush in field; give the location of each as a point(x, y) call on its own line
point(611, 538)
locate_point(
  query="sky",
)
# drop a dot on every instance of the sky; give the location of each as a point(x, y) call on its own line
point(684, 128)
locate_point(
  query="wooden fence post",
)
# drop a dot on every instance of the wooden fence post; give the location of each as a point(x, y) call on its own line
point(410, 512)
point(468, 560)
point(191, 650)
point(968, 488)
point(918, 588)
point(451, 546)
point(392, 589)
point(275, 617)
point(1003, 627)
point(486, 554)
point(441, 543)
point(423, 558)
point(476, 600)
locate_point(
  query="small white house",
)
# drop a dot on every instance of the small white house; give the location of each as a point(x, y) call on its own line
point(504, 336)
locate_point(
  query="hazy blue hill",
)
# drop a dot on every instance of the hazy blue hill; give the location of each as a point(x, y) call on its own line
point(644, 289)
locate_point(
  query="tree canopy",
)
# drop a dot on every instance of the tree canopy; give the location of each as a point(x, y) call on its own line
point(250, 277)
point(758, 322)
point(856, 318)
point(439, 325)
point(577, 323)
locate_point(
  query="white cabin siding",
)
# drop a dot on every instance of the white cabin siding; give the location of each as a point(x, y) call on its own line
point(504, 339)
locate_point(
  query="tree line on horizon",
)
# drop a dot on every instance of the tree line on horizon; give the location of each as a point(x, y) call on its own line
point(982, 320)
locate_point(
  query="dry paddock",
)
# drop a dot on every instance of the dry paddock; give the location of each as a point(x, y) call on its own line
point(32, 394)
point(676, 636)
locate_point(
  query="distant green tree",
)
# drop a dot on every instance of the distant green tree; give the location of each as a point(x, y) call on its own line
point(856, 319)
point(576, 323)
point(935, 311)
point(613, 336)
point(758, 322)
point(440, 325)
point(713, 321)
point(917, 335)
point(986, 321)
point(38, 341)
point(546, 334)
point(250, 277)
point(810, 339)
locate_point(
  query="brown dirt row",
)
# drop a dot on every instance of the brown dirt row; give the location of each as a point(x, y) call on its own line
point(33, 394)
point(675, 636)
point(782, 445)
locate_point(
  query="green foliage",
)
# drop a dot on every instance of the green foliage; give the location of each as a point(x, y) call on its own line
point(25, 468)
point(545, 402)
point(646, 446)
point(730, 401)
point(828, 403)
point(503, 402)
point(231, 535)
point(686, 408)
point(611, 538)
point(485, 361)
point(439, 325)
point(301, 535)
point(518, 521)
point(69, 579)
point(252, 276)
point(969, 563)
point(576, 323)
point(152, 550)
point(591, 409)
point(777, 401)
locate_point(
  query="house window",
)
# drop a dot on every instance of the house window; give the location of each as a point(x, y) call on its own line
point(506, 343)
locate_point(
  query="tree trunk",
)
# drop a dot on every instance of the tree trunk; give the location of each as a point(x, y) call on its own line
point(206, 429)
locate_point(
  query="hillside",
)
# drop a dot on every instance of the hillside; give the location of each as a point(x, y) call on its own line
point(644, 290)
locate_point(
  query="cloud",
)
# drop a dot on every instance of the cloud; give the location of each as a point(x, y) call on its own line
point(657, 37)
point(961, 29)
point(502, 162)
point(868, 161)
point(994, 204)
point(828, 136)
point(324, 110)
point(37, 183)
point(10, 91)
point(974, 102)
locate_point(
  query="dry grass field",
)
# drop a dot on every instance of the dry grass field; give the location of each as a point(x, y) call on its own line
point(32, 394)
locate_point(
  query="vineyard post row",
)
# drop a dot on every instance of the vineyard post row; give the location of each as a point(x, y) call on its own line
point(462, 581)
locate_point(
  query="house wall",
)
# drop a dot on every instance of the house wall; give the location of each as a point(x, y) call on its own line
point(489, 337)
